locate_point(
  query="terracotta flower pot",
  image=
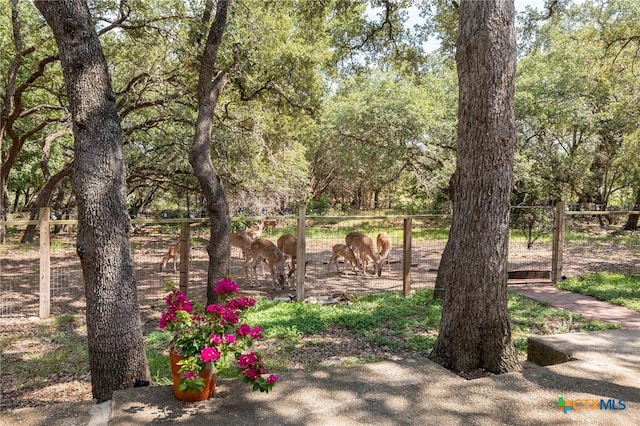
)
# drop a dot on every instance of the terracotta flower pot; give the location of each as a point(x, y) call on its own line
point(207, 374)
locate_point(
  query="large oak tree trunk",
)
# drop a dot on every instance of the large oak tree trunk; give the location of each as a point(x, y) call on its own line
point(475, 333)
point(116, 348)
point(210, 84)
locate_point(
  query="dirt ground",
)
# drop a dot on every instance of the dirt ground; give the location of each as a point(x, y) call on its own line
point(19, 295)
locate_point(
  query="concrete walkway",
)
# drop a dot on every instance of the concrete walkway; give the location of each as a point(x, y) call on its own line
point(586, 305)
point(601, 384)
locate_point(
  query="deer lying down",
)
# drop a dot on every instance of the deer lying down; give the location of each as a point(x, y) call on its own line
point(173, 253)
point(263, 249)
point(341, 250)
point(362, 246)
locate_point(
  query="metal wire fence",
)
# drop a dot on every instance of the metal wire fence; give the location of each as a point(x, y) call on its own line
point(588, 247)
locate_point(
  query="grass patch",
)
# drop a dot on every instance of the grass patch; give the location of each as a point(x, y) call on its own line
point(529, 317)
point(369, 329)
point(387, 322)
point(619, 289)
point(156, 345)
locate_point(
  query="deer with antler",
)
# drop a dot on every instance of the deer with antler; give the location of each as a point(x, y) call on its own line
point(363, 247)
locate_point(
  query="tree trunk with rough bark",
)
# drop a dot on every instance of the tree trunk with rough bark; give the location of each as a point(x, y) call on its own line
point(475, 332)
point(210, 84)
point(117, 356)
point(632, 220)
point(44, 198)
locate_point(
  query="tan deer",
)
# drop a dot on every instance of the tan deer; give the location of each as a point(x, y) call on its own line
point(383, 243)
point(263, 249)
point(362, 246)
point(288, 245)
point(341, 250)
point(255, 231)
point(173, 253)
point(242, 241)
point(270, 225)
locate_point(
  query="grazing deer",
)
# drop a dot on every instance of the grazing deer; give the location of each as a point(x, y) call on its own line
point(383, 242)
point(262, 248)
point(341, 250)
point(242, 241)
point(173, 253)
point(270, 225)
point(363, 247)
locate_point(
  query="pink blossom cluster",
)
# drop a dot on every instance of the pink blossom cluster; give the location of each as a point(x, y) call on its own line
point(251, 366)
point(209, 354)
point(246, 330)
point(215, 334)
point(175, 301)
point(225, 286)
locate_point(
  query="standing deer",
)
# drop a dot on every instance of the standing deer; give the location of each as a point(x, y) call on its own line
point(288, 244)
point(363, 247)
point(242, 241)
point(263, 249)
point(172, 253)
point(383, 242)
point(255, 231)
point(270, 225)
point(341, 250)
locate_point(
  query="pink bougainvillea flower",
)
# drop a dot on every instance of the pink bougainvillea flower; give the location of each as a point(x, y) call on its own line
point(209, 354)
point(190, 374)
point(230, 316)
point(225, 286)
point(243, 330)
point(216, 339)
point(247, 359)
point(215, 309)
point(214, 334)
point(256, 333)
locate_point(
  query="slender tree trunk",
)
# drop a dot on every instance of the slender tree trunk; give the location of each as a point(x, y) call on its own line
point(210, 84)
point(44, 198)
point(632, 220)
point(474, 332)
point(117, 357)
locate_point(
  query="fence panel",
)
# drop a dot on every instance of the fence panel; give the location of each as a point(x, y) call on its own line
point(595, 241)
point(19, 278)
point(151, 240)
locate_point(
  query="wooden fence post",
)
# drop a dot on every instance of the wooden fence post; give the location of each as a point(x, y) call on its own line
point(185, 259)
point(301, 257)
point(558, 236)
point(406, 257)
point(45, 263)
